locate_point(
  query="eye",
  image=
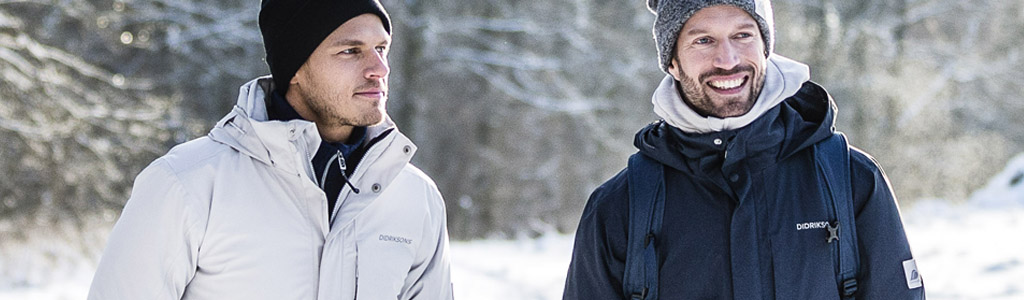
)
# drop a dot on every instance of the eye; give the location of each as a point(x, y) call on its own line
point(381, 49)
point(744, 36)
point(702, 41)
point(349, 51)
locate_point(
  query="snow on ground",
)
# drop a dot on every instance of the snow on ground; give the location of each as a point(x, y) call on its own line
point(967, 251)
point(973, 250)
point(73, 285)
point(523, 270)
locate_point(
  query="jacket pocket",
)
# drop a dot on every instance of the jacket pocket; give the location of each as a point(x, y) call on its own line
point(339, 267)
point(355, 273)
point(802, 265)
point(382, 265)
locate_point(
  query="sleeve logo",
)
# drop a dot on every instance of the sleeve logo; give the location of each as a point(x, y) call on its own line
point(910, 270)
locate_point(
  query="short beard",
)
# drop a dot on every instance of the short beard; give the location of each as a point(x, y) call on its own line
point(695, 94)
point(319, 104)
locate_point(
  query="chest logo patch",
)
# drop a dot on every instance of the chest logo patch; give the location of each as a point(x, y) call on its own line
point(394, 239)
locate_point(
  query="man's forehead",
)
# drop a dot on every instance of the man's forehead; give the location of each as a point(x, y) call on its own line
point(709, 18)
point(362, 30)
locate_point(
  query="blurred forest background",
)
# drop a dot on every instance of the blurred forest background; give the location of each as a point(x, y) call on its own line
point(520, 108)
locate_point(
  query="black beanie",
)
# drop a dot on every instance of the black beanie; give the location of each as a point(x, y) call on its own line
point(292, 29)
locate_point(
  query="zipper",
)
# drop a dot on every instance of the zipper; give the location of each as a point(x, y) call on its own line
point(341, 167)
point(369, 146)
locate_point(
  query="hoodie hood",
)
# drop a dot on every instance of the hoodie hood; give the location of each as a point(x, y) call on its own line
point(794, 124)
point(783, 78)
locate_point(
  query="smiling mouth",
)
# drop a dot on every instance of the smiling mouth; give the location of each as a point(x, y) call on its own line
point(728, 85)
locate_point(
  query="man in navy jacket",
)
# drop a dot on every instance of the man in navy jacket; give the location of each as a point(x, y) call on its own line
point(743, 195)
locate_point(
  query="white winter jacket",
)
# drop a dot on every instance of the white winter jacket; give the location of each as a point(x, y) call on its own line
point(237, 215)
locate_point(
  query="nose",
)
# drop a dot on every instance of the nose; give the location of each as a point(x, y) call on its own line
point(378, 66)
point(726, 56)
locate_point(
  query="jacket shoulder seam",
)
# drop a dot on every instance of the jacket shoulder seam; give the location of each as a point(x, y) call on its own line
point(193, 200)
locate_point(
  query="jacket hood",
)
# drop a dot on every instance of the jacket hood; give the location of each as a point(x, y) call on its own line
point(794, 124)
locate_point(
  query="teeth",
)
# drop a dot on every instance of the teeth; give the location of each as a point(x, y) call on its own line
point(727, 84)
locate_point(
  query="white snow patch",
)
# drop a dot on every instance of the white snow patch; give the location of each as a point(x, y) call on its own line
point(1004, 190)
point(973, 250)
point(523, 269)
point(964, 252)
point(72, 285)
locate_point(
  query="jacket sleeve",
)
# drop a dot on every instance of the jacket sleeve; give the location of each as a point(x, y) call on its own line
point(598, 255)
point(883, 245)
point(151, 252)
point(430, 277)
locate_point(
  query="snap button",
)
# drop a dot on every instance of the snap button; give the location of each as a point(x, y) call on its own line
point(375, 188)
point(718, 142)
point(406, 149)
point(734, 177)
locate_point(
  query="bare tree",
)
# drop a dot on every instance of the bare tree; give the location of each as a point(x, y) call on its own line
point(522, 108)
point(931, 87)
point(92, 91)
point(73, 136)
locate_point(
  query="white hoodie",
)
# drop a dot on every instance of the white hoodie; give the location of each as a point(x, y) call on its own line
point(783, 78)
point(237, 215)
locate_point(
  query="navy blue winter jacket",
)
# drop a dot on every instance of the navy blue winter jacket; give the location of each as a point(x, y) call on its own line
point(733, 214)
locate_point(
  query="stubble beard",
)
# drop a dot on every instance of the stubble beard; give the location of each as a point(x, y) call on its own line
point(696, 94)
point(330, 112)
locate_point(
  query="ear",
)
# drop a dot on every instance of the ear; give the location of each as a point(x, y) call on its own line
point(298, 74)
point(295, 85)
point(673, 68)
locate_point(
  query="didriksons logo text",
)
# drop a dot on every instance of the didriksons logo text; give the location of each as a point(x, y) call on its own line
point(811, 225)
point(396, 239)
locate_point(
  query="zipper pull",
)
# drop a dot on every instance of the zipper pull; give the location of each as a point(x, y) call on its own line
point(344, 167)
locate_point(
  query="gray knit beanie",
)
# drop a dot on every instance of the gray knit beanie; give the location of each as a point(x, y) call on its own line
point(671, 15)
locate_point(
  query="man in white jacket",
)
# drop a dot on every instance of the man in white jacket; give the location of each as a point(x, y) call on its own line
point(303, 191)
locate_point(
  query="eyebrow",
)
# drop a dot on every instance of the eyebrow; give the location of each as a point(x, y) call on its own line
point(351, 42)
point(697, 31)
point(347, 42)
